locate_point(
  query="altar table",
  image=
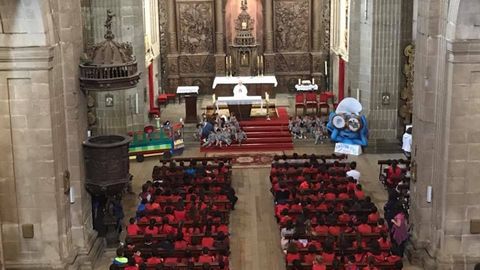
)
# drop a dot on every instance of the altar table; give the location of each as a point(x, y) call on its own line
point(240, 106)
point(256, 86)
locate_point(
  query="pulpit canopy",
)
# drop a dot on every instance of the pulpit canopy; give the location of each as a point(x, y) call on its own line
point(109, 65)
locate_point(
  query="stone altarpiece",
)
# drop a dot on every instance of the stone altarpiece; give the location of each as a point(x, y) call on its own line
point(293, 40)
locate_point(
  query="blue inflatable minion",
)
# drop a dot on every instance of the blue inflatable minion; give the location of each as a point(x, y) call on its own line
point(346, 125)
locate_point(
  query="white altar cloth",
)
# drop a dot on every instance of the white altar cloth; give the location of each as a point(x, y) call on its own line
point(187, 89)
point(245, 100)
point(245, 80)
point(307, 87)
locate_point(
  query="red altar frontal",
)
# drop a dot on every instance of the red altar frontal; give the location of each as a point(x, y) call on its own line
point(256, 86)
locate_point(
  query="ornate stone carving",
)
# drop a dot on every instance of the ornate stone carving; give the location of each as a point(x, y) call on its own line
point(292, 20)
point(196, 27)
point(292, 62)
point(162, 5)
point(406, 94)
point(325, 45)
point(196, 64)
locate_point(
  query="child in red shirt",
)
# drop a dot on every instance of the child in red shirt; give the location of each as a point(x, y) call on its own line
point(292, 253)
point(207, 240)
point(373, 216)
point(384, 242)
point(151, 229)
point(318, 263)
point(133, 228)
point(154, 259)
point(359, 194)
point(205, 257)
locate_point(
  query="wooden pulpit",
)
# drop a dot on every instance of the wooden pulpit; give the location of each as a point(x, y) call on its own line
point(190, 93)
point(191, 108)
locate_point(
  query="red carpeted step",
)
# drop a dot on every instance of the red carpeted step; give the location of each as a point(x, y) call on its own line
point(263, 123)
point(265, 128)
point(250, 147)
point(268, 140)
point(268, 134)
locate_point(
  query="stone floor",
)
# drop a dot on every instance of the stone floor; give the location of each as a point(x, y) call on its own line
point(255, 241)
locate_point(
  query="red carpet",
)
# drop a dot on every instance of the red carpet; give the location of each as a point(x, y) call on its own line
point(262, 134)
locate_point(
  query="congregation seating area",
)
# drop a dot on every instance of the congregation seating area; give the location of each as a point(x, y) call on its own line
point(325, 218)
point(183, 217)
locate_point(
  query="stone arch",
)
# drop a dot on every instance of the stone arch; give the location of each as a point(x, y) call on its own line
point(462, 20)
point(25, 18)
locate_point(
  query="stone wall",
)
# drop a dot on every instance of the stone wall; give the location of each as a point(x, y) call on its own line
point(378, 32)
point(445, 134)
point(42, 123)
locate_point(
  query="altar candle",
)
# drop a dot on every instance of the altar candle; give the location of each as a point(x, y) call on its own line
point(258, 63)
point(326, 68)
point(299, 81)
point(213, 98)
point(313, 80)
point(261, 63)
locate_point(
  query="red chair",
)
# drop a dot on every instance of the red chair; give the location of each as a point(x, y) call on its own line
point(323, 104)
point(162, 99)
point(299, 103)
point(311, 101)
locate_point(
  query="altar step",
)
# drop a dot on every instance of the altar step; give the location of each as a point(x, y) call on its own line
point(262, 135)
point(268, 134)
point(250, 147)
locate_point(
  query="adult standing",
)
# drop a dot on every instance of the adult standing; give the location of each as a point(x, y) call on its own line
point(407, 143)
point(399, 232)
point(240, 90)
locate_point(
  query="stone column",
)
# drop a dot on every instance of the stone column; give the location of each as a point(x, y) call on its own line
point(172, 57)
point(318, 36)
point(316, 25)
point(172, 27)
point(269, 54)
point(219, 39)
point(374, 66)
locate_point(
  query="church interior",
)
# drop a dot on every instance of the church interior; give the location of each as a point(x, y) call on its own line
point(240, 134)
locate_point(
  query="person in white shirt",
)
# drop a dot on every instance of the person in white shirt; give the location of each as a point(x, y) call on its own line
point(407, 143)
point(240, 90)
point(353, 171)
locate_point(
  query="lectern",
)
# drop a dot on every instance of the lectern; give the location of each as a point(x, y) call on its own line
point(190, 93)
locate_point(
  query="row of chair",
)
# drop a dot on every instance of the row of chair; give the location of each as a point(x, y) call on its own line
point(310, 100)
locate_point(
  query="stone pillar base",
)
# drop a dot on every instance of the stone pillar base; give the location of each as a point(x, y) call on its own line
point(220, 68)
point(173, 79)
point(269, 63)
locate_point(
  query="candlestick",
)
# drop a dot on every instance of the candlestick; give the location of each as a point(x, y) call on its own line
point(313, 80)
point(230, 64)
point(261, 64)
point(258, 65)
point(226, 65)
point(326, 68)
point(299, 82)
